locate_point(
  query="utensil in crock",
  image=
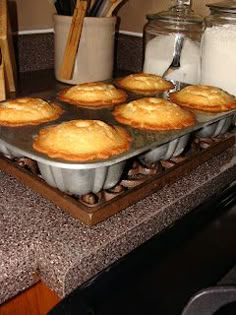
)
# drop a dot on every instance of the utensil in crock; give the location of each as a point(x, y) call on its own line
point(95, 8)
point(105, 7)
point(57, 6)
point(113, 7)
point(73, 40)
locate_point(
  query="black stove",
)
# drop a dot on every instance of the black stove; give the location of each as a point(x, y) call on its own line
point(161, 275)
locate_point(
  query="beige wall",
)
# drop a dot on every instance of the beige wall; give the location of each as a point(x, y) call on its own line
point(133, 12)
point(37, 14)
point(33, 14)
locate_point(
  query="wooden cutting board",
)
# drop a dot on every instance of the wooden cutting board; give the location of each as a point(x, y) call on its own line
point(7, 50)
point(2, 80)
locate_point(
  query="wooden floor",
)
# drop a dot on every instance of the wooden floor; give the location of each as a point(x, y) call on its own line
point(37, 300)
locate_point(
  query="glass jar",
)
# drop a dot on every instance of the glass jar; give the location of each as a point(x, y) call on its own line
point(160, 34)
point(218, 49)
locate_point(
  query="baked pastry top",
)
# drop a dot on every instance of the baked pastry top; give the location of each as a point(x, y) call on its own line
point(27, 111)
point(93, 94)
point(205, 98)
point(82, 140)
point(154, 114)
point(144, 83)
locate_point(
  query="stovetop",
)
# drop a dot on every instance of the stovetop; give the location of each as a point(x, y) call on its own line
point(160, 276)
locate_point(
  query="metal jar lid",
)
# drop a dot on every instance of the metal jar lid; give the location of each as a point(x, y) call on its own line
point(179, 14)
point(223, 6)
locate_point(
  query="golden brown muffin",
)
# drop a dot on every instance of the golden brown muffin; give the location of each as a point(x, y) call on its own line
point(93, 94)
point(27, 111)
point(154, 114)
point(144, 83)
point(82, 140)
point(205, 98)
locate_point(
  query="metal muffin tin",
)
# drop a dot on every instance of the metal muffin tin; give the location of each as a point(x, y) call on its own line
point(165, 151)
point(8, 152)
point(215, 129)
point(82, 181)
point(84, 177)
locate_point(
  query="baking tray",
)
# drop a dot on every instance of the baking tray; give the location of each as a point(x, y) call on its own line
point(143, 183)
point(16, 142)
point(19, 140)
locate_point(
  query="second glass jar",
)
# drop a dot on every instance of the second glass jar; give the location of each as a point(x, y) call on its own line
point(160, 37)
point(219, 46)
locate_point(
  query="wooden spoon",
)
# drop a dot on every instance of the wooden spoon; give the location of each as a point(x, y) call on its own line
point(73, 40)
point(105, 7)
point(113, 7)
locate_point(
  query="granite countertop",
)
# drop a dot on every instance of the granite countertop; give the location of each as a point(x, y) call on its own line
point(38, 240)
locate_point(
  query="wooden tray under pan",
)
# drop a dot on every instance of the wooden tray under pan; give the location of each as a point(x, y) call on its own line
point(139, 183)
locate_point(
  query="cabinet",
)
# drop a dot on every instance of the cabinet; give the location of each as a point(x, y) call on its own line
point(37, 300)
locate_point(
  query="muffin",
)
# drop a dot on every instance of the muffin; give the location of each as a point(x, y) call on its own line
point(93, 94)
point(82, 140)
point(205, 98)
point(154, 114)
point(144, 83)
point(28, 111)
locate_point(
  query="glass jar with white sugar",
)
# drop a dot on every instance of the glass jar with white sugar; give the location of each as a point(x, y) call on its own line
point(218, 48)
point(160, 34)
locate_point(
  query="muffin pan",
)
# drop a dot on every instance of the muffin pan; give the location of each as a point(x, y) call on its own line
point(165, 151)
point(215, 129)
point(79, 178)
point(81, 181)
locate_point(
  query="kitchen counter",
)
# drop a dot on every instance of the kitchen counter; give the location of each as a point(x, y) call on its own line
point(38, 240)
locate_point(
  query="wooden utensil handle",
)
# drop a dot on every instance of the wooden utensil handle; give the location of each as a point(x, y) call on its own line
point(113, 7)
point(2, 80)
point(73, 40)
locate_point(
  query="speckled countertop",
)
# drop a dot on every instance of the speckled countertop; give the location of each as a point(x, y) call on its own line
point(38, 240)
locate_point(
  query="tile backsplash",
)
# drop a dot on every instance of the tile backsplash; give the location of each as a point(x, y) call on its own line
point(36, 52)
